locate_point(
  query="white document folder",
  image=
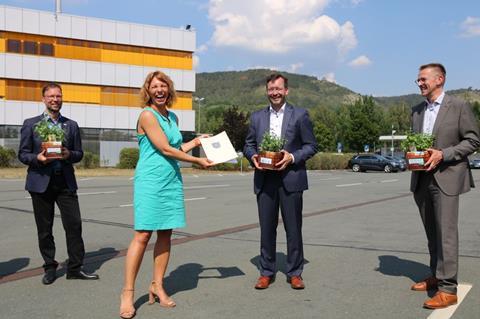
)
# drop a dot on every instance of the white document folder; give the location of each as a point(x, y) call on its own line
point(218, 148)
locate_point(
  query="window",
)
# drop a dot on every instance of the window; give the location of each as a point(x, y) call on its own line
point(46, 49)
point(13, 46)
point(30, 47)
point(62, 41)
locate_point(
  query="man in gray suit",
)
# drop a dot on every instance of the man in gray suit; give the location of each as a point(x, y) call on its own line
point(436, 191)
point(282, 188)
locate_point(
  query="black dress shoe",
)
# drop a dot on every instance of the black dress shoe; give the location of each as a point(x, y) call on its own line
point(81, 275)
point(49, 277)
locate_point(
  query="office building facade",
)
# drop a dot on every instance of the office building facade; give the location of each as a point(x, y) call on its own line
point(101, 65)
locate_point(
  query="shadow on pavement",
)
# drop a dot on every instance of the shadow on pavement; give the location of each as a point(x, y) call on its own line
point(394, 266)
point(93, 260)
point(280, 261)
point(12, 266)
point(186, 277)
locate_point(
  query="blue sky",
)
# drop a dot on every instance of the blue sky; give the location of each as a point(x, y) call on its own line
point(369, 46)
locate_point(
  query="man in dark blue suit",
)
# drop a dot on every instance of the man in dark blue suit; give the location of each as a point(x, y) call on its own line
point(282, 188)
point(53, 181)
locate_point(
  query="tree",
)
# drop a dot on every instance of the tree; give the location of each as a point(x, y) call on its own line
point(398, 116)
point(365, 123)
point(235, 123)
point(324, 120)
point(476, 110)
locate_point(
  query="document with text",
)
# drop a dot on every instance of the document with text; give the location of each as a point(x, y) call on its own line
point(218, 148)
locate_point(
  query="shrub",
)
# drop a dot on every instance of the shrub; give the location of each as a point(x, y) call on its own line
point(417, 142)
point(48, 131)
point(128, 158)
point(271, 143)
point(7, 156)
point(90, 160)
point(229, 166)
point(324, 161)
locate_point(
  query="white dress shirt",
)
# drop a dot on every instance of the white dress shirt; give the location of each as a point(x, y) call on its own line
point(276, 121)
point(431, 112)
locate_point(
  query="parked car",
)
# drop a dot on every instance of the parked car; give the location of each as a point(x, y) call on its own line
point(475, 163)
point(374, 162)
point(402, 163)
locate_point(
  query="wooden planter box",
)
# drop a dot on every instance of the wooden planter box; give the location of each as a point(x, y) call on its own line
point(268, 160)
point(53, 150)
point(416, 160)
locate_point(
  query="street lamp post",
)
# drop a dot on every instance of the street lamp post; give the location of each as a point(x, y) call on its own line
point(393, 132)
point(199, 103)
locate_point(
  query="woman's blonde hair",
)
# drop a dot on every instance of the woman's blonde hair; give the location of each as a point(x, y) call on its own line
point(159, 75)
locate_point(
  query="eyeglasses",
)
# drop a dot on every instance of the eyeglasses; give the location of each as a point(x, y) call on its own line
point(420, 80)
point(52, 97)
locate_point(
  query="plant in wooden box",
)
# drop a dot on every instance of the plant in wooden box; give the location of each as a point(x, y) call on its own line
point(415, 147)
point(52, 137)
point(270, 148)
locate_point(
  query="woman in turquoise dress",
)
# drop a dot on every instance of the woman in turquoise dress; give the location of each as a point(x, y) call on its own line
point(158, 188)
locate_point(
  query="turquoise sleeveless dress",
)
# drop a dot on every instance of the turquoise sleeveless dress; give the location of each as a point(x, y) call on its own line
point(158, 187)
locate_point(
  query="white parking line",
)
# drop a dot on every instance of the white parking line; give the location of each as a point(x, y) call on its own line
point(462, 291)
point(131, 178)
point(389, 181)
point(96, 193)
point(195, 198)
point(186, 199)
point(328, 179)
point(347, 185)
point(85, 179)
point(206, 186)
point(84, 194)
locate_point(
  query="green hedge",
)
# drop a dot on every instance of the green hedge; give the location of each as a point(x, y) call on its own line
point(7, 156)
point(230, 166)
point(128, 158)
point(324, 161)
point(90, 160)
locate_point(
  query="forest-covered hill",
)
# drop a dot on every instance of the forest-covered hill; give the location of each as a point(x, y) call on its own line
point(246, 89)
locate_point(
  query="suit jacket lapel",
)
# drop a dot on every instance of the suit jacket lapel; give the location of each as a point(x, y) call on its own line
point(265, 122)
point(418, 124)
point(287, 115)
point(441, 114)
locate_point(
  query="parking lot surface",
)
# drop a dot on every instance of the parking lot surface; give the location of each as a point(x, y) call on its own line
point(363, 238)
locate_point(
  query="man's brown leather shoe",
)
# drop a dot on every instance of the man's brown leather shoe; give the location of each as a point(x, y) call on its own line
point(263, 282)
point(440, 300)
point(429, 283)
point(296, 282)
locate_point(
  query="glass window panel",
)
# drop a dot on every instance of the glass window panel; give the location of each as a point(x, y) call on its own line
point(13, 46)
point(30, 47)
point(46, 49)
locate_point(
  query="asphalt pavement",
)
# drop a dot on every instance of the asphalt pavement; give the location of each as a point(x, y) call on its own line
point(363, 239)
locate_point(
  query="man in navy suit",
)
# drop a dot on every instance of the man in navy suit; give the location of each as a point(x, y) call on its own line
point(282, 188)
point(53, 181)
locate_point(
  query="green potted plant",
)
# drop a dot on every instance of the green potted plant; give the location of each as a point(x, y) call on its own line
point(415, 147)
point(270, 148)
point(52, 137)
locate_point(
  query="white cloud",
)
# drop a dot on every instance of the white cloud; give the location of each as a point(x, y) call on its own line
point(295, 67)
point(263, 67)
point(362, 60)
point(195, 61)
point(277, 26)
point(329, 77)
point(356, 2)
point(471, 27)
point(201, 49)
